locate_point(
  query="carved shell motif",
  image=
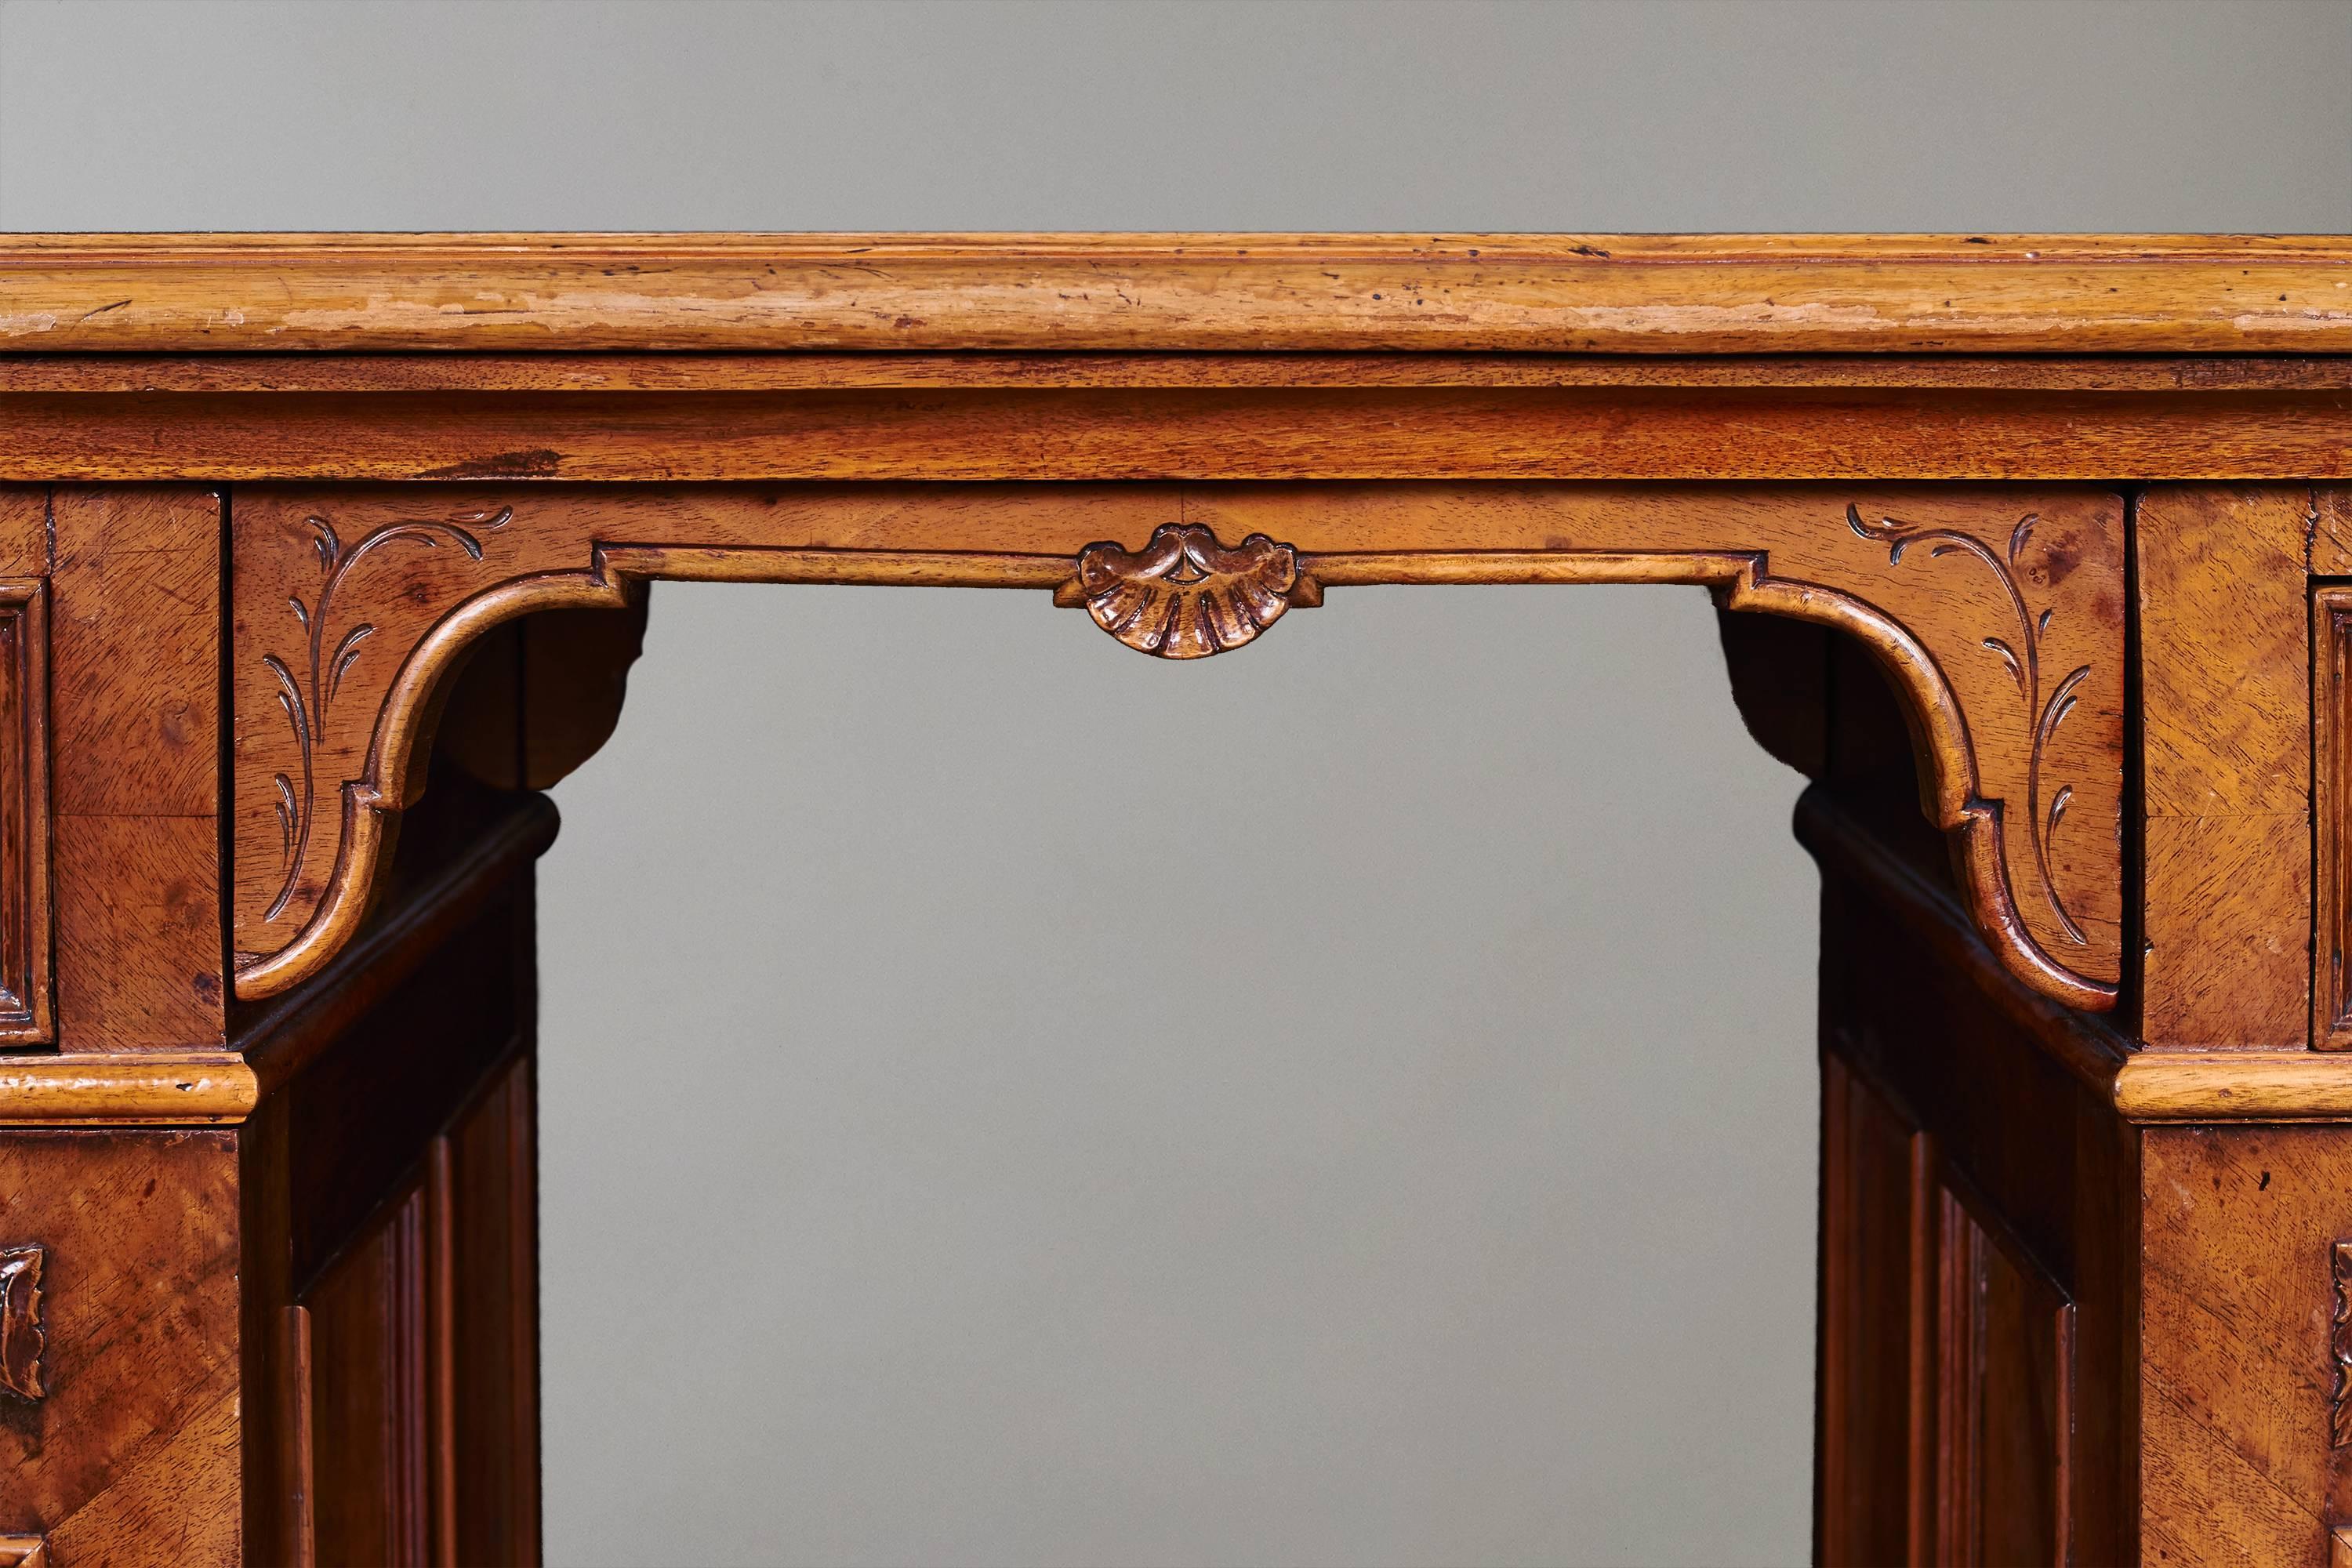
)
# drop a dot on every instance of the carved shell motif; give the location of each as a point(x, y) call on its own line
point(1184, 596)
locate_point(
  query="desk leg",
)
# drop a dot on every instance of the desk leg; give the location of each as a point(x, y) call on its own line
point(2048, 1335)
point(392, 1296)
point(1978, 1275)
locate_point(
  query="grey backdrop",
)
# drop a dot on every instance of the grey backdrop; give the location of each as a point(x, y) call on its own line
point(1347, 1103)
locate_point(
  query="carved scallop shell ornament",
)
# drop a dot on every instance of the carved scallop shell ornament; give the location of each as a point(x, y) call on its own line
point(1183, 595)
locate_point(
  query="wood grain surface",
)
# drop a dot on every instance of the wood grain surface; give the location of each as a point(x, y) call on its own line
point(1978, 1308)
point(1151, 434)
point(2033, 526)
point(136, 620)
point(2238, 1463)
point(2225, 681)
point(646, 371)
point(2331, 806)
point(2000, 612)
point(27, 934)
point(27, 937)
point(132, 1454)
point(1719, 293)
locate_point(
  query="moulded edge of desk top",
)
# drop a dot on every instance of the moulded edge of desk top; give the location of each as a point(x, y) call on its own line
point(1598, 293)
point(134, 1090)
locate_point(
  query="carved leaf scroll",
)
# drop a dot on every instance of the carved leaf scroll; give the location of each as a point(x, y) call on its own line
point(1183, 595)
point(2339, 1346)
point(2020, 651)
point(21, 1339)
point(330, 650)
point(1996, 612)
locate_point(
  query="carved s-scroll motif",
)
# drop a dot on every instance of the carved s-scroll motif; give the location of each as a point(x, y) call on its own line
point(328, 651)
point(2008, 660)
point(2019, 650)
point(21, 1336)
point(1183, 595)
point(2339, 1346)
point(331, 601)
point(1996, 612)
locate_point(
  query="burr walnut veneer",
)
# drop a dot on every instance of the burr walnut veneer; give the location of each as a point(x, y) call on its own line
point(319, 556)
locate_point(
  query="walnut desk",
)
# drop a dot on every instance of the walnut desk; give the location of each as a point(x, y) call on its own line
point(321, 555)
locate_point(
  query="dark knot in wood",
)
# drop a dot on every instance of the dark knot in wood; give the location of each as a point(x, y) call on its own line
point(1183, 595)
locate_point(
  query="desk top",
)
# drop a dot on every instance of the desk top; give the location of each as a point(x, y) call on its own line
point(1653, 294)
point(1973, 455)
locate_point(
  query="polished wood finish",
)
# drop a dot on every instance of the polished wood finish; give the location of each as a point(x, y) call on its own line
point(2225, 671)
point(491, 1451)
point(1594, 293)
point(25, 938)
point(370, 1419)
point(644, 372)
point(1027, 431)
point(2031, 556)
point(118, 1089)
point(21, 1339)
point(132, 1453)
point(2331, 800)
point(2238, 1387)
point(1948, 1441)
point(2000, 612)
point(134, 657)
point(1978, 1310)
point(537, 696)
point(1183, 595)
point(416, 1376)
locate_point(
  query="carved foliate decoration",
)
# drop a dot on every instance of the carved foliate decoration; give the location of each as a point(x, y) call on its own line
point(1996, 612)
point(2339, 1346)
point(1997, 615)
point(1183, 595)
point(2047, 697)
point(329, 645)
point(22, 1339)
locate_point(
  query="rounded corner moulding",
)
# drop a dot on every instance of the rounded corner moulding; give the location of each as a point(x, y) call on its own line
point(1996, 612)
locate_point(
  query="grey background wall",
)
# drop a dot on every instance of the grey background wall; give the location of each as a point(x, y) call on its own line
point(1486, 1236)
